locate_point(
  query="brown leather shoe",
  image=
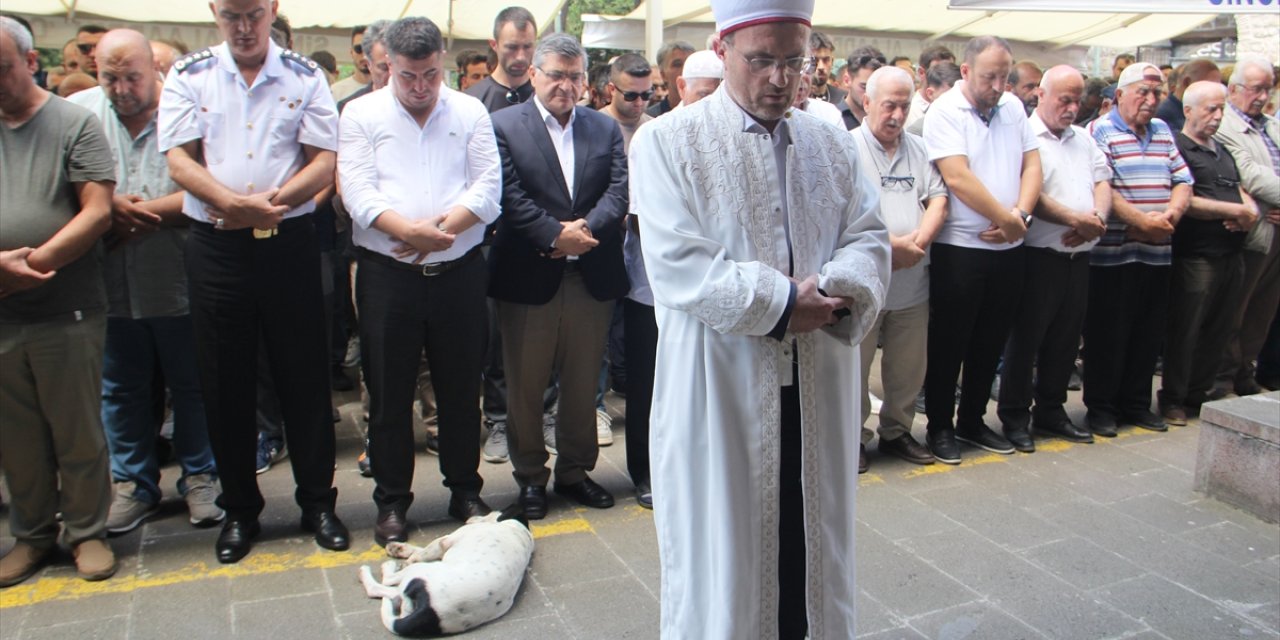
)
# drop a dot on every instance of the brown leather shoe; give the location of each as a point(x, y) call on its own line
point(1174, 415)
point(390, 527)
point(22, 562)
point(907, 448)
point(94, 560)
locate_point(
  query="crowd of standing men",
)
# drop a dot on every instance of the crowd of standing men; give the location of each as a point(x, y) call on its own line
point(496, 267)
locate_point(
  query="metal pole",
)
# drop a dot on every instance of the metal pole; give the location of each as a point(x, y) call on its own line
point(652, 29)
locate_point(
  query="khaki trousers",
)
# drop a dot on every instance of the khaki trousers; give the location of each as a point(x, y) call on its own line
point(566, 337)
point(52, 447)
point(904, 336)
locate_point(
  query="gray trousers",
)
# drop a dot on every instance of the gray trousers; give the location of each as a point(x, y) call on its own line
point(52, 447)
point(1260, 292)
point(564, 337)
point(904, 336)
point(1204, 293)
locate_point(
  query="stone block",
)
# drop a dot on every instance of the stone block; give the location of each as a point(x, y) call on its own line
point(1238, 461)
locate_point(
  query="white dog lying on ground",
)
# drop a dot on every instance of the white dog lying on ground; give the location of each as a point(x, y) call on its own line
point(456, 583)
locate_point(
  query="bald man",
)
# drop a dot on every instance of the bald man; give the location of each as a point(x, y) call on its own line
point(1071, 213)
point(1170, 109)
point(148, 320)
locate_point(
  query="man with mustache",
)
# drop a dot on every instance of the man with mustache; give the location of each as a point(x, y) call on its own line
point(986, 151)
point(148, 317)
point(1253, 138)
point(1207, 268)
point(250, 131)
point(556, 270)
point(1129, 269)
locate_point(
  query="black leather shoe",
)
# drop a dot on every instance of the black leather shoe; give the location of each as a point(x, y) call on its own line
point(942, 444)
point(330, 532)
point(982, 437)
point(863, 464)
point(1064, 429)
point(906, 447)
point(1020, 439)
point(236, 539)
point(1100, 423)
point(533, 499)
point(586, 493)
point(464, 507)
point(389, 527)
point(644, 495)
point(1145, 419)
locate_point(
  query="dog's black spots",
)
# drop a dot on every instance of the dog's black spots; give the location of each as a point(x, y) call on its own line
point(515, 512)
point(422, 619)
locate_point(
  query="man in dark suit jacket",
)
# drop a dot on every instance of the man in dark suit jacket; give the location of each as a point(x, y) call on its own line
point(556, 268)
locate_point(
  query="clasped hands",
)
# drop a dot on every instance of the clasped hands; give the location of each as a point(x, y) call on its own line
point(814, 309)
point(130, 221)
point(575, 239)
point(17, 274)
point(1155, 228)
point(1009, 229)
point(257, 210)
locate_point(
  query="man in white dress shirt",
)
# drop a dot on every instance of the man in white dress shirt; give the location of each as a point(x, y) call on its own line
point(768, 263)
point(420, 174)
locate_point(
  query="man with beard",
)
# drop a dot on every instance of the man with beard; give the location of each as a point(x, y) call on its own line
point(359, 57)
point(1024, 82)
point(979, 137)
point(862, 63)
point(514, 33)
point(148, 318)
point(822, 84)
point(1129, 269)
point(768, 263)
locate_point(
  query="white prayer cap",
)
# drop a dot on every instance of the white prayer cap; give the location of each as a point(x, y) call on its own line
point(732, 15)
point(703, 64)
point(1138, 72)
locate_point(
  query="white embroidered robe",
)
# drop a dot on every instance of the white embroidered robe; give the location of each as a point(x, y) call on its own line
point(717, 256)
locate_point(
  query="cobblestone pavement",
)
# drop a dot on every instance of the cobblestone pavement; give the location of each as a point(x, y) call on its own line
point(1072, 542)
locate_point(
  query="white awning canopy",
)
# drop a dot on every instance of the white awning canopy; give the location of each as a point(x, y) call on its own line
point(472, 19)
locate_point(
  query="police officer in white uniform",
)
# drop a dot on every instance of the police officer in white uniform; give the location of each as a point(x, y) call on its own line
point(250, 131)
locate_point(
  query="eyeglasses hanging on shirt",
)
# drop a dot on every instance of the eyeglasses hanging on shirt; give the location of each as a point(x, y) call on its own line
point(897, 183)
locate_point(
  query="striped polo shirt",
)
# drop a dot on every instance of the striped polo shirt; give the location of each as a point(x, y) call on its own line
point(1144, 171)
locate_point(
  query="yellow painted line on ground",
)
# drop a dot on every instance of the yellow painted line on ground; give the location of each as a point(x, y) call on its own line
point(257, 564)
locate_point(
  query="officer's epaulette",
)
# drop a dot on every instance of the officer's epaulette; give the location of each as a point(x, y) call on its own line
point(190, 59)
point(290, 55)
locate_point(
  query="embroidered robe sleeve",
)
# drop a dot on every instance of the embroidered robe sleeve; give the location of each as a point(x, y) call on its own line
point(859, 268)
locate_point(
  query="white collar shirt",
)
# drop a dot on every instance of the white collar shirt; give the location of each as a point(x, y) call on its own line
point(387, 162)
point(252, 136)
point(780, 139)
point(919, 107)
point(993, 145)
point(561, 139)
point(1072, 165)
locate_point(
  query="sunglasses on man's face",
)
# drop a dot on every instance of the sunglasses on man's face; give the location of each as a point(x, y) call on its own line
point(86, 49)
point(358, 48)
point(632, 96)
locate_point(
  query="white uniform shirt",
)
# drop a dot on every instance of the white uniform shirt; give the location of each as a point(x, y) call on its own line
point(953, 127)
point(1072, 165)
point(906, 182)
point(252, 136)
point(386, 161)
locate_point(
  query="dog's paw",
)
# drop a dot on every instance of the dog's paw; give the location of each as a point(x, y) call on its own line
point(388, 568)
point(398, 550)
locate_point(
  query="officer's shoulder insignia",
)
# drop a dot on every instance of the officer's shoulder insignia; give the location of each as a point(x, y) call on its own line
point(290, 55)
point(187, 61)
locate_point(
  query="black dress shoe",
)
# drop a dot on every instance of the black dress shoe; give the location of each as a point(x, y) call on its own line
point(863, 464)
point(464, 507)
point(1101, 423)
point(982, 437)
point(330, 532)
point(906, 447)
point(389, 527)
point(236, 539)
point(644, 495)
point(942, 444)
point(1145, 419)
point(533, 499)
point(1020, 438)
point(586, 493)
point(1064, 429)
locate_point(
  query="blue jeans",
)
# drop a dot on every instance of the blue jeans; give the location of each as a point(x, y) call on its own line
point(133, 350)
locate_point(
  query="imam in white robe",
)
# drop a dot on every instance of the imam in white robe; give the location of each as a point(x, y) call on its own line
point(708, 197)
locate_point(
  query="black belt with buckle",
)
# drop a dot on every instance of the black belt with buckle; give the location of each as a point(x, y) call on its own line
point(428, 270)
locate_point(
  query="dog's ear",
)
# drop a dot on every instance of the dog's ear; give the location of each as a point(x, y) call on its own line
point(514, 511)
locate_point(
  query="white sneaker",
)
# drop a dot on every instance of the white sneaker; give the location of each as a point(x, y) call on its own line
point(495, 446)
point(127, 511)
point(604, 428)
point(202, 492)
point(549, 422)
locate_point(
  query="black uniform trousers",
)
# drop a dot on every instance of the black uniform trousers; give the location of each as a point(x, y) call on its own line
point(242, 290)
point(973, 300)
point(641, 338)
point(1123, 333)
point(793, 618)
point(1045, 338)
point(403, 312)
